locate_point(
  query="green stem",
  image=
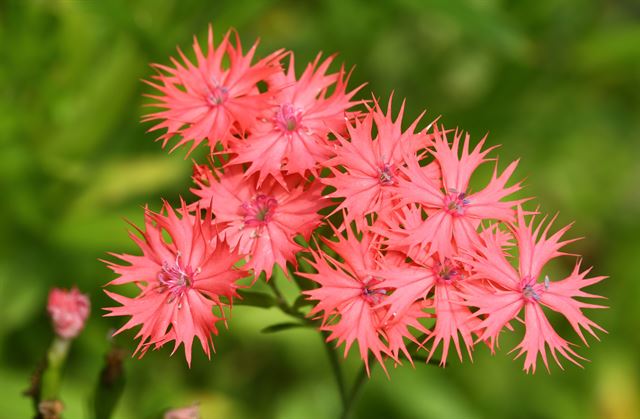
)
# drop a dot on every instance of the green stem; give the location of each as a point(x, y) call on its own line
point(335, 367)
point(52, 375)
point(331, 353)
point(348, 399)
point(355, 392)
point(284, 306)
point(282, 302)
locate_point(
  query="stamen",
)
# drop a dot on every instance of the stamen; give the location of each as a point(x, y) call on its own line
point(175, 278)
point(447, 271)
point(386, 174)
point(259, 211)
point(455, 202)
point(531, 290)
point(288, 118)
point(218, 95)
point(372, 296)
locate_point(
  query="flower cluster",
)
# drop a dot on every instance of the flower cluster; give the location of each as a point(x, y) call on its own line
point(405, 254)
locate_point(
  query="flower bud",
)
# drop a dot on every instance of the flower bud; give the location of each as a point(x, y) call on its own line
point(190, 412)
point(69, 311)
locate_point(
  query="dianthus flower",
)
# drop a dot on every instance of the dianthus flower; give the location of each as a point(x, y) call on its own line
point(350, 297)
point(210, 100)
point(510, 291)
point(442, 279)
point(180, 280)
point(260, 222)
point(454, 212)
point(366, 167)
point(292, 137)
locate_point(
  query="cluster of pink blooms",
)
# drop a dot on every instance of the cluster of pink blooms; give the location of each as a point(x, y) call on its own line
point(415, 255)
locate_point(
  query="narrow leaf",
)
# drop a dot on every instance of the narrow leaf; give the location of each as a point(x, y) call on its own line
point(282, 326)
point(255, 299)
point(300, 302)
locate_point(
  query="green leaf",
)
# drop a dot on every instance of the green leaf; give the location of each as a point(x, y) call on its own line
point(255, 299)
point(300, 302)
point(304, 283)
point(282, 326)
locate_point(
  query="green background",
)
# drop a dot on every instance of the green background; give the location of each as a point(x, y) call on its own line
point(556, 82)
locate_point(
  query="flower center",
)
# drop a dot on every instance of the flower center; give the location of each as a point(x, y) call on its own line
point(386, 174)
point(455, 202)
point(175, 278)
point(531, 290)
point(447, 272)
point(259, 211)
point(288, 118)
point(371, 295)
point(217, 96)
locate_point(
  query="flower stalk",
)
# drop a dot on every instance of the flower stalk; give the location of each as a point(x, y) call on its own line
point(355, 392)
point(52, 377)
point(336, 369)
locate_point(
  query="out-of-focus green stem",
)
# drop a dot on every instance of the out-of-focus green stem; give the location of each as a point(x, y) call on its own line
point(282, 303)
point(335, 367)
point(51, 377)
point(284, 306)
point(353, 395)
point(331, 353)
point(348, 398)
point(280, 300)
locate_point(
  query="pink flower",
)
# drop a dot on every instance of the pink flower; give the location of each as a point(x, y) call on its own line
point(180, 281)
point(509, 291)
point(410, 282)
point(443, 281)
point(211, 100)
point(349, 290)
point(454, 319)
point(293, 135)
point(69, 311)
point(350, 297)
point(366, 168)
point(260, 222)
point(454, 212)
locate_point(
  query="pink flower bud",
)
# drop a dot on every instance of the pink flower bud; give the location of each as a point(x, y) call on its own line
point(69, 311)
point(190, 412)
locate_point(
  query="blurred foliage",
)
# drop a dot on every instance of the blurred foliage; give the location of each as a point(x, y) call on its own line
point(556, 82)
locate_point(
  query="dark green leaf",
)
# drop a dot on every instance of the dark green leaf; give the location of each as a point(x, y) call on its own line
point(255, 299)
point(282, 326)
point(301, 301)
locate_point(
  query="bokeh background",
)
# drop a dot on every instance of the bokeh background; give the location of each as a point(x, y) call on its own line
point(556, 82)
